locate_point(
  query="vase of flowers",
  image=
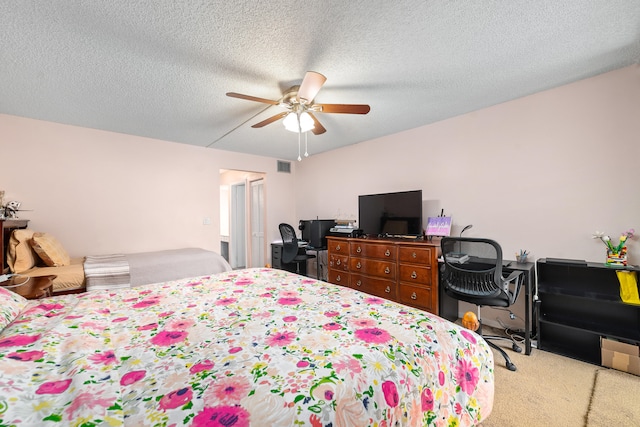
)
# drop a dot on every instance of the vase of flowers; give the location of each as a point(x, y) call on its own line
point(616, 253)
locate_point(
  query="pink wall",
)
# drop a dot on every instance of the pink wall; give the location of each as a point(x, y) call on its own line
point(102, 192)
point(540, 173)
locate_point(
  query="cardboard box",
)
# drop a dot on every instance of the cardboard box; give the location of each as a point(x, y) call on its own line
point(621, 356)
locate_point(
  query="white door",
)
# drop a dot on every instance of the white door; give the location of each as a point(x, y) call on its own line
point(238, 247)
point(257, 223)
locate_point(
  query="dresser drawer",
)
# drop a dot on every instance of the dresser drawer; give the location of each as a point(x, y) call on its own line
point(375, 286)
point(373, 250)
point(339, 262)
point(421, 297)
point(415, 274)
point(417, 255)
point(338, 277)
point(384, 269)
point(338, 247)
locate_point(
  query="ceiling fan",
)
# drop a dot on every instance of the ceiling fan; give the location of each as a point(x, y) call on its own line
point(300, 108)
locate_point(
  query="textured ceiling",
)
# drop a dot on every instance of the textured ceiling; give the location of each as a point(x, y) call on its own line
point(161, 68)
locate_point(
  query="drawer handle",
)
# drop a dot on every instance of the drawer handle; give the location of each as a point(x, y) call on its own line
point(387, 270)
point(338, 278)
point(415, 255)
point(359, 249)
point(388, 290)
point(338, 262)
point(387, 253)
point(414, 296)
point(338, 248)
point(414, 275)
point(359, 283)
point(358, 265)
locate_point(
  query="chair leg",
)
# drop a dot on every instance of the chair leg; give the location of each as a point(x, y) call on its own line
point(510, 365)
point(487, 338)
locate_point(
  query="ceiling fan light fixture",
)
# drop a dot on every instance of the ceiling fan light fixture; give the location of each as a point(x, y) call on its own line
point(302, 123)
point(306, 122)
point(291, 122)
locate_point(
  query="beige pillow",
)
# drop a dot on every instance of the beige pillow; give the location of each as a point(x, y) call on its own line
point(20, 255)
point(50, 250)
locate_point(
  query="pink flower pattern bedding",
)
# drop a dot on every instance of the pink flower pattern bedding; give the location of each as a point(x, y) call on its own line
point(255, 347)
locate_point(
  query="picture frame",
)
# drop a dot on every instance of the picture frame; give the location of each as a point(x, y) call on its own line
point(438, 226)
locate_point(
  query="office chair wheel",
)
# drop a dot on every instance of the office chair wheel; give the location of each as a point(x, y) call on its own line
point(516, 348)
point(511, 367)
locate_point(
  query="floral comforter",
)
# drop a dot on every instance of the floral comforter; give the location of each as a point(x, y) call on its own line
point(255, 347)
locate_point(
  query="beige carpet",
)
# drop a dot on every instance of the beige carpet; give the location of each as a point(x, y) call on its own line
point(616, 399)
point(551, 390)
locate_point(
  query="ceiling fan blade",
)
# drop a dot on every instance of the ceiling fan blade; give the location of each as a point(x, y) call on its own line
point(310, 87)
point(318, 129)
point(270, 120)
point(252, 98)
point(344, 108)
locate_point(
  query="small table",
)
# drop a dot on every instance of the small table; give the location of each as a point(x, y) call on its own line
point(30, 287)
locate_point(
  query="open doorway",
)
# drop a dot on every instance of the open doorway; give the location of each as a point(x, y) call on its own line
point(242, 218)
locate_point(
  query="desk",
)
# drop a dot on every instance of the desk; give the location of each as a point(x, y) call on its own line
point(529, 271)
point(449, 306)
point(276, 260)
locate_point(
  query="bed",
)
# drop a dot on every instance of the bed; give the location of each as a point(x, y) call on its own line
point(35, 254)
point(259, 347)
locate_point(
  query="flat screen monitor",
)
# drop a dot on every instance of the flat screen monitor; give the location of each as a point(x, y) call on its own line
point(391, 214)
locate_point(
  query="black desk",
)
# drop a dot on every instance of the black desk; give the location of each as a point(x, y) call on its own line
point(448, 307)
point(276, 259)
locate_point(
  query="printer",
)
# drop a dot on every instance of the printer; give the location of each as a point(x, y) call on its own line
point(315, 231)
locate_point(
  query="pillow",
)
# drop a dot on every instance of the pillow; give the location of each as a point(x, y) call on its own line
point(20, 255)
point(10, 306)
point(50, 250)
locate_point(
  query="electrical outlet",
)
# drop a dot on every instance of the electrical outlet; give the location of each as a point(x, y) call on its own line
point(206, 221)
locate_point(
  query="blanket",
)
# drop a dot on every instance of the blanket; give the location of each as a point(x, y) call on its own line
point(107, 272)
point(136, 269)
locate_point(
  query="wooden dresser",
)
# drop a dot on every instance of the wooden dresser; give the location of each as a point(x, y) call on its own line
point(401, 270)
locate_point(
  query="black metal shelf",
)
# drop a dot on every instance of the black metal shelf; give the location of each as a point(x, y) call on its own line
point(579, 303)
point(577, 293)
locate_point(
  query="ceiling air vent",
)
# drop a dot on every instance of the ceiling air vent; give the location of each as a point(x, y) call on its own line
point(284, 166)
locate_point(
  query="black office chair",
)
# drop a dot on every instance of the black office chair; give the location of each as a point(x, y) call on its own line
point(472, 272)
point(290, 247)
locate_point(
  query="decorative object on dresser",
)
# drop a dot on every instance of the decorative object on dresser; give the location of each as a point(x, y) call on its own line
point(395, 269)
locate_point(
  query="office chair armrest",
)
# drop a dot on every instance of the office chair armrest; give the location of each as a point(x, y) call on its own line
point(513, 283)
point(514, 275)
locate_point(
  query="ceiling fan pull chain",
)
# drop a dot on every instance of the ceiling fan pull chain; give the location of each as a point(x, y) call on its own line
point(299, 158)
point(306, 151)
